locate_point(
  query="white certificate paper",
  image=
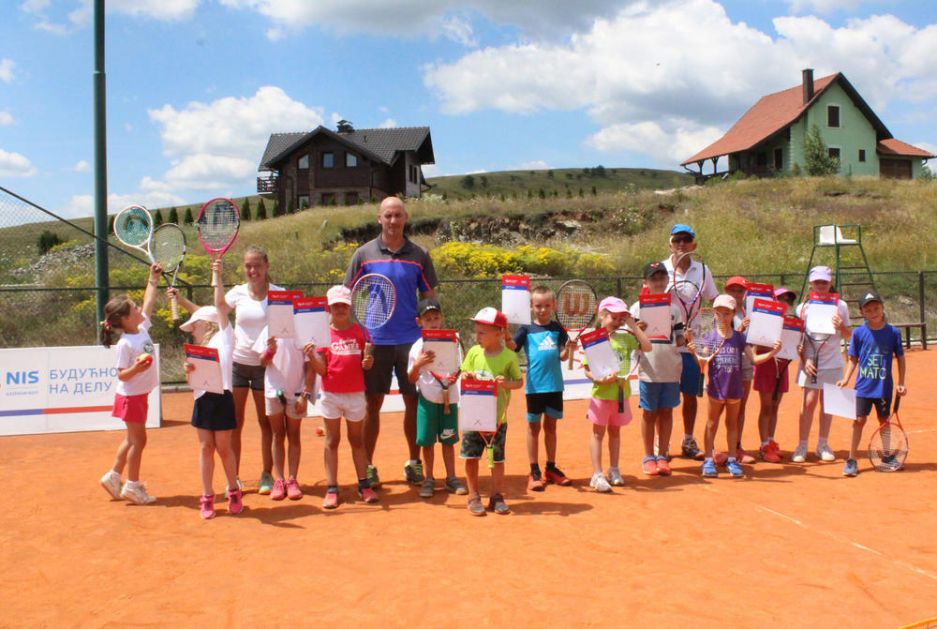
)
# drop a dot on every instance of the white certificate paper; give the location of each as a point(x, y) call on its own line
point(757, 291)
point(791, 337)
point(766, 321)
point(478, 409)
point(311, 321)
point(655, 311)
point(600, 356)
point(445, 346)
point(515, 298)
point(819, 313)
point(280, 313)
point(207, 373)
point(839, 402)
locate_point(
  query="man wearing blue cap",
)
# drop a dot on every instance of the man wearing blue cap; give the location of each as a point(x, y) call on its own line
point(689, 272)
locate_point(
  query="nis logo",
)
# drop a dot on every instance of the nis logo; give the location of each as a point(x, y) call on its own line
point(20, 378)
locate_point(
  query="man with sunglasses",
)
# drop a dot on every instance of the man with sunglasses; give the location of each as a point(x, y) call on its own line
point(683, 240)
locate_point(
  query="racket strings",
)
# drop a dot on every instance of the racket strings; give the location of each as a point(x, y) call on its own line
point(217, 224)
point(575, 306)
point(373, 302)
point(889, 447)
point(168, 246)
point(133, 226)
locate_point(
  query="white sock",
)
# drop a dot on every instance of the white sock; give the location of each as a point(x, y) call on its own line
point(803, 443)
point(766, 442)
point(771, 438)
point(731, 459)
point(822, 441)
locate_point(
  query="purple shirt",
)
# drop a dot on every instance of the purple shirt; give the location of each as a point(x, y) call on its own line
point(725, 369)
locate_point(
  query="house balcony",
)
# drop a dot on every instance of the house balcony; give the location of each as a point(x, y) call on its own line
point(267, 184)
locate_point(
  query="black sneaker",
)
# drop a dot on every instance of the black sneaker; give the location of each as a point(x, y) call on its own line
point(496, 503)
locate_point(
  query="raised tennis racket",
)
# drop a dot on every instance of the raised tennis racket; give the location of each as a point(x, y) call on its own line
point(686, 288)
point(575, 308)
point(373, 300)
point(217, 224)
point(133, 226)
point(705, 341)
point(888, 447)
point(168, 247)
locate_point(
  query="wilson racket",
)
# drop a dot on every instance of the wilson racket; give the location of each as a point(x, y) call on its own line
point(575, 308)
point(686, 287)
point(133, 226)
point(888, 447)
point(218, 223)
point(168, 248)
point(706, 342)
point(373, 300)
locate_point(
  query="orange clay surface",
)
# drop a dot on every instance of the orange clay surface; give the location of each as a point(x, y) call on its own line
point(788, 545)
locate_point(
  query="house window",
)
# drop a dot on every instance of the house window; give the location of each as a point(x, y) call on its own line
point(414, 174)
point(351, 198)
point(834, 153)
point(762, 159)
point(832, 116)
point(304, 162)
point(327, 198)
point(328, 159)
point(861, 155)
point(778, 159)
point(302, 201)
point(351, 160)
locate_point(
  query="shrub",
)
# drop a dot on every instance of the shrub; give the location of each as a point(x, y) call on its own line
point(47, 240)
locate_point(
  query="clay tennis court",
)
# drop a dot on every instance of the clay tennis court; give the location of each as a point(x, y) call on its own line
point(789, 545)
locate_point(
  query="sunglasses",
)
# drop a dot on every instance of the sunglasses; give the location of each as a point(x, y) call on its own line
point(681, 239)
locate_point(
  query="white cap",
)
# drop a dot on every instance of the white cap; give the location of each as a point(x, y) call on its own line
point(822, 273)
point(205, 313)
point(338, 295)
point(725, 301)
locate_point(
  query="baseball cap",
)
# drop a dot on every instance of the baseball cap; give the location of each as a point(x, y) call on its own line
point(737, 280)
point(652, 268)
point(869, 297)
point(205, 313)
point(820, 273)
point(491, 316)
point(426, 305)
point(338, 295)
point(724, 301)
point(682, 228)
point(614, 305)
point(784, 291)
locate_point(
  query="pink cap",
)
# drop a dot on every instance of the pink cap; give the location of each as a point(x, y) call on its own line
point(783, 291)
point(725, 301)
point(491, 316)
point(614, 305)
point(338, 295)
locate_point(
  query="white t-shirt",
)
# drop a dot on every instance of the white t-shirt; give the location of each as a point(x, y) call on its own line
point(285, 372)
point(129, 347)
point(428, 386)
point(694, 274)
point(663, 362)
point(223, 341)
point(250, 318)
point(831, 354)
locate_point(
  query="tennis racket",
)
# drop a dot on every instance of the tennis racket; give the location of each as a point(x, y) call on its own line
point(888, 447)
point(168, 248)
point(217, 225)
point(706, 342)
point(816, 342)
point(446, 380)
point(688, 292)
point(133, 226)
point(781, 370)
point(575, 308)
point(373, 300)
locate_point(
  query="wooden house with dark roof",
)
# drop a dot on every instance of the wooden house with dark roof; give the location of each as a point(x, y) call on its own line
point(347, 166)
point(769, 137)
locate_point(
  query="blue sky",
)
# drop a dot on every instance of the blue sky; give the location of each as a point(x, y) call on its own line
point(195, 87)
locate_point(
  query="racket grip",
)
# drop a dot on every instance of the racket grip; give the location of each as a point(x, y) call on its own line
point(490, 456)
point(174, 306)
point(445, 401)
point(621, 397)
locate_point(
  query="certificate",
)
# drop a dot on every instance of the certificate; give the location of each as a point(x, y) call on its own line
point(839, 402)
point(600, 356)
point(757, 291)
point(478, 410)
point(207, 373)
point(791, 337)
point(515, 298)
point(311, 321)
point(818, 315)
point(655, 311)
point(280, 313)
point(766, 321)
point(445, 346)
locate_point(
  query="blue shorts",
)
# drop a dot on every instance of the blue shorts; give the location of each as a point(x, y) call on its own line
point(658, 395)
point(690, 378)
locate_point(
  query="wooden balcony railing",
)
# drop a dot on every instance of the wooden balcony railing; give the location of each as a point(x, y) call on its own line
point(267, 184)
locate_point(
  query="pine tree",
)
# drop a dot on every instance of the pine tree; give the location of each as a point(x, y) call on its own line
point(246, 210)
point(818, 162)
point(174, 216)
point(261, 210)
point(188, 220)
point(157, 218)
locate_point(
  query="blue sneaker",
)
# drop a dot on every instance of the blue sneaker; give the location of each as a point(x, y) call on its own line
point(851, 468)
point(709, 469)
point(735, 468)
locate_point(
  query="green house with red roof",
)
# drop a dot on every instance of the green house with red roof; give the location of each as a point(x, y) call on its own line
point(769, 138)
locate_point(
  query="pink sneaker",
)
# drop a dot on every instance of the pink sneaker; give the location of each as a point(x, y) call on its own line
point(293, 491)
point(368, 495)
point(331, 500)
point(206, 507)
point(279, 490)
point(235, 501)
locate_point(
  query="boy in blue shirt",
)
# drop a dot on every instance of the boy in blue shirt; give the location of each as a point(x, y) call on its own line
point(547, 345)
point(871, 349)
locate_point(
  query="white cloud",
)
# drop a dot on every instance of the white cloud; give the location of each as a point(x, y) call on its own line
point(459, 29)
point(6, 118)
point(165, 10)
point(34, 6)
point(388, 123)
point(6, 70)
point(77, 206)
point(81, 166)
point(537, 164)
point(82, 205)
point(15, 165)
point(80, 17)
point(826, 6)
point(672, 141)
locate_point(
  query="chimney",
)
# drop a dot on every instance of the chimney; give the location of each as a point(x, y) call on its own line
point(808, 84)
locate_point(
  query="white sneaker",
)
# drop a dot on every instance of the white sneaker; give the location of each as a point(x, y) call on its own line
point(825, 452)
point(136, 493)
point(111, 483)
point(614, 477)
point(599, 483)
point(800, 454)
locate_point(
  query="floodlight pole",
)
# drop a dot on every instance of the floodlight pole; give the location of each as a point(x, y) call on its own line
point(100, 162)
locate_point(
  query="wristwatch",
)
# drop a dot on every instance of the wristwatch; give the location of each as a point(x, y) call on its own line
point(308, 396)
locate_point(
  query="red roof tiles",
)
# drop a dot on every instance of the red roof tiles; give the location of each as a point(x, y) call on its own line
point(897, 147)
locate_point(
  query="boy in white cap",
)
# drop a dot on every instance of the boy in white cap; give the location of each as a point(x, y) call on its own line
point(818, 366)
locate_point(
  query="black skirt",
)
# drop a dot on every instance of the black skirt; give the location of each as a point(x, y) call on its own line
point(214, 411)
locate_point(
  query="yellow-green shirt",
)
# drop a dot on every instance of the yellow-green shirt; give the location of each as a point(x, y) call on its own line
point(485, 367)
point(623, 344)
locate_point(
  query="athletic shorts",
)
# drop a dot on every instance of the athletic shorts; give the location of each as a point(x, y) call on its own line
point(882, 406)
point(766, 376)
point(605, 413)
point(244, 376)
point(473, 446)
point(351, 406)
point(690, 378)
point(131, 408)
point(274, 406)
point(657, 395)
point(550, 404)
point(214, 411)
point(748, 371)
point(433, 424)
point(388, 360)
point(831, 376)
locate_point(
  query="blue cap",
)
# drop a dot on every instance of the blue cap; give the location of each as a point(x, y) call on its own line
point(680, 228)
